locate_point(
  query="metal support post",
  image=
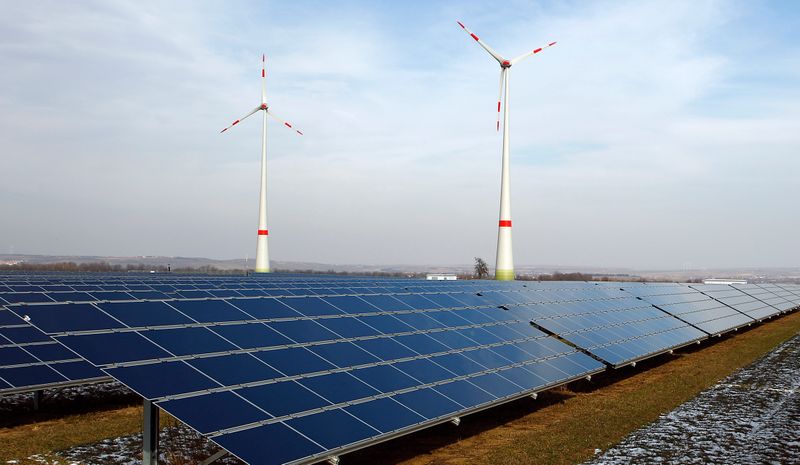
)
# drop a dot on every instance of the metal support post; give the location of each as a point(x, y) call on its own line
point(37, 400)
point(150, 434)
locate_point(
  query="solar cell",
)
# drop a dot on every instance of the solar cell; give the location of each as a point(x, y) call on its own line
point(229, 410)
point(284, 444)
point(385, 415)
point(143, 314)
point(109, 348)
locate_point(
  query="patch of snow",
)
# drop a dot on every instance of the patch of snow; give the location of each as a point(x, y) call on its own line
point(753, 416)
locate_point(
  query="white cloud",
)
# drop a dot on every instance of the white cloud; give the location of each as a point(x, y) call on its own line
point(618, 139)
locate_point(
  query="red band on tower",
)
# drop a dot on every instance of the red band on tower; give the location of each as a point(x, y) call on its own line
point(505, 223)
point(263, 232)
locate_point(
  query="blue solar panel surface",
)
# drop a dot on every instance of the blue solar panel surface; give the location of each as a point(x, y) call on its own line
point(771, 294)
point(611, 324)
point(318, 365)
point(691, 306)
point(281, 366)
point(794, 292)
point(30, 360)
point(749, 304)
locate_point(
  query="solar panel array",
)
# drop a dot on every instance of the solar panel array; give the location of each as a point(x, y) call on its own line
point(770, 294)
point(612, 324)
point(293, 369)
point(31, 360)
point(692, 306)
point(745, 303)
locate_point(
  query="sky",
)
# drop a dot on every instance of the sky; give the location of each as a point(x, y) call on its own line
point(655, 134)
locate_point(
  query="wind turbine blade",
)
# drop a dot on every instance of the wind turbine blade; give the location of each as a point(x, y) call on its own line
point(531, 53)
point(285, 123)
point(263, 78)
point(242, 118)
point(494, 54)
point(500, 96)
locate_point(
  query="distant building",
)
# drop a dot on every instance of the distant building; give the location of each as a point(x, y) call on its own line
point(724, 281)
point(441, 277)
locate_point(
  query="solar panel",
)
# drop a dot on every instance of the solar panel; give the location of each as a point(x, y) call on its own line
point(289, 373)
point(794, 290)
point(614, 326)
point(781, 298)
point(30, 360)
point(739, 300)
point(691, 306)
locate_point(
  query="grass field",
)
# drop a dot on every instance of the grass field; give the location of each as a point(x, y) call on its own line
point(563, 426)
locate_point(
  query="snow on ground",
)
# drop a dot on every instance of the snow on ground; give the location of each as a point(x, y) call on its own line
point(179, 445)
point(87, 392)
point(751, 417)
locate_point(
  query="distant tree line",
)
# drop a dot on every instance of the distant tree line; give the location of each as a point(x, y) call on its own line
point(388, 274)
point(81, 267)
point(558, 276)
point(105, 267)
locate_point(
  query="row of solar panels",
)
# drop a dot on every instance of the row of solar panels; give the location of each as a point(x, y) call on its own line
point(116, 282)
point(296, 379)
point(30, 359)
point(29, 293)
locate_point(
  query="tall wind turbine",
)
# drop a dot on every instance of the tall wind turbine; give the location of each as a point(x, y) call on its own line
point(262, 251)
point(504, 267)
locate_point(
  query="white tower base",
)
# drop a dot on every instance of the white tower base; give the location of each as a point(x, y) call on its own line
point(504, 267)
point(262, 252)
point(262, 249)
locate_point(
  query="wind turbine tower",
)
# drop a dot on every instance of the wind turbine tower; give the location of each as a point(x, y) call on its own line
point(504, 267)
point(262, 249)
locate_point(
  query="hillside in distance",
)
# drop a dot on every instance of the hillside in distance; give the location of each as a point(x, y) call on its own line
point(209, 264)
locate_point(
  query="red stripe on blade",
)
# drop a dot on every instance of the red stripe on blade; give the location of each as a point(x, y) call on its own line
point(263, 232)
point(459, 23)
point(505, 223)
point(263, 73)
point(235, 123)
point(475, 37)
point(537, 50)
point(551, 44)
point(498, 107)
point(288, 125)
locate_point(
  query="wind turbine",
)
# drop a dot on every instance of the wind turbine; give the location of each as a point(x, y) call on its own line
point(262, 251)
point(504, 267)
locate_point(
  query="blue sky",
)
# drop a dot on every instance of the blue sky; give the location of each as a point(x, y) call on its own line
point(655, 134)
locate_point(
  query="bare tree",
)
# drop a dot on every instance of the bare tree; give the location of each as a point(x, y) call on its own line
point(481, 269)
